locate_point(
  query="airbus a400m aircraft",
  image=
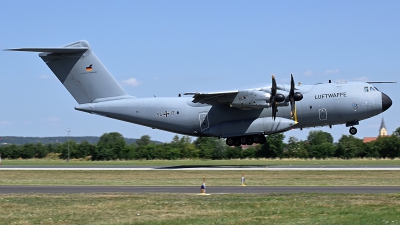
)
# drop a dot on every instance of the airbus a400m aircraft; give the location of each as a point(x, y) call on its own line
point(240, 116)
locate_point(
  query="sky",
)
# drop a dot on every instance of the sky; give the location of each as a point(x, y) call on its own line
point(164, 48)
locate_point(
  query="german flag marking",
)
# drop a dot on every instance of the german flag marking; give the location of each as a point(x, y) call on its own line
point(89, 68)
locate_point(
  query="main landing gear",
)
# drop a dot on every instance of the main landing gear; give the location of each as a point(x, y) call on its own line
point(353, 130)
point(246, 140)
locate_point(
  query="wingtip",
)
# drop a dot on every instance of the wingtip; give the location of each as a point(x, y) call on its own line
point(10, 49)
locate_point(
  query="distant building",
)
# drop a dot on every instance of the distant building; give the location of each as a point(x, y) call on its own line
point(382, 133)
point(382, 129)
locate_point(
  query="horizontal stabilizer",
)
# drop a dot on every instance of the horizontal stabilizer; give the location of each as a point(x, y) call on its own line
point(61, 50)
point(381, 82)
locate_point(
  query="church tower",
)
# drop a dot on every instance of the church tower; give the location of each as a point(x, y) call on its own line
point(382, 129)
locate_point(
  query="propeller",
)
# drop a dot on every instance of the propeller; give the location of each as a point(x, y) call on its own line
point(275, 98)
point(293, 97)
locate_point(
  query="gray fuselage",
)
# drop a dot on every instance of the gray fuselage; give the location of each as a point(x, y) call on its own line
point(322, 105)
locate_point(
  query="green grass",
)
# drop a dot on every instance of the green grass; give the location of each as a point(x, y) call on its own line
point(194, 178)
point(235, 162)
point(173, 209)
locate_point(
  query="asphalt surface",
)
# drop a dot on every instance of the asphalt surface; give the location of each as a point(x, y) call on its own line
point(198, 167)
point(6, 189)
point(196, 190)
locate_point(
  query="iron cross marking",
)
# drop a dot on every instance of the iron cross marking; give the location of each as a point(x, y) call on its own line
point(166, 113)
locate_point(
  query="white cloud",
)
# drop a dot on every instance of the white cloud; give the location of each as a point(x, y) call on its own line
point(360, 79)
point(341, 81)
point(308, 73)
point(331, 71)
point(5, 122)
point(131, 82)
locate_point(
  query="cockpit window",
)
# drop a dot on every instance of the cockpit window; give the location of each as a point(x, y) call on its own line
point(376, 88)
point(365, 89)
point(371, 89)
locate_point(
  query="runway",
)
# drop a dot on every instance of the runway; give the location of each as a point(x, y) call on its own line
point(196, 190)
point(200, 167)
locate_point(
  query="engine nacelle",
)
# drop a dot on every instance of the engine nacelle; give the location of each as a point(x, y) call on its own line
point(298, 96)
point(279, 97)
point(251, 99)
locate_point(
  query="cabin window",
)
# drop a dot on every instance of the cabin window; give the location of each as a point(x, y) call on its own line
point(365, 89)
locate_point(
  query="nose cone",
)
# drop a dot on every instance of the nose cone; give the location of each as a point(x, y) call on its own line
point(386, 102)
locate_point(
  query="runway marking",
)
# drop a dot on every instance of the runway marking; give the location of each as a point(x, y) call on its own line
point(206, 168)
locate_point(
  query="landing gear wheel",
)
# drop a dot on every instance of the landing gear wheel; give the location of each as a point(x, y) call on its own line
point(230, 141)
point(256, 139)
point(353, 130)
point(249, 141)
point(243, 140)
point(236, 142)
point(262, 139)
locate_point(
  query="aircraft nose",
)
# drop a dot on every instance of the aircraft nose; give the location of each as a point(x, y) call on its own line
point(386, 102)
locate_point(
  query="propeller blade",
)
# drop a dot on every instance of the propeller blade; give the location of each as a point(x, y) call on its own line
point(272, 99)
point(291, 93)
point(292, 102)
point(293, 97)
point(274, 109)
point(273, 88)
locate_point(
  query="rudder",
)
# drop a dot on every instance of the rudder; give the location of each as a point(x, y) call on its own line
point(83, 74)
point(80, 71)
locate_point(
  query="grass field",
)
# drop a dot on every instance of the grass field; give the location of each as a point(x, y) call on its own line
point(194, 178)
point(161, 208)
point(191, 209)
point(233, 162)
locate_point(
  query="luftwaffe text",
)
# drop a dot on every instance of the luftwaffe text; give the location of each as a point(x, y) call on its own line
point(333, 95)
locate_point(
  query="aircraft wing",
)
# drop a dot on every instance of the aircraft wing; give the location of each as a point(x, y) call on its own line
point(214, 97)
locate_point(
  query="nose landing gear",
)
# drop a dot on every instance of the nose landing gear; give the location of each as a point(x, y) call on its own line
point(353, 130)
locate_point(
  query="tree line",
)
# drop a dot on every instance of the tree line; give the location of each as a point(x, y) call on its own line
point(112, 146)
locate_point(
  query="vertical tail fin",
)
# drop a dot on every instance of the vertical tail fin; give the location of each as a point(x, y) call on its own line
point(80, 71)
